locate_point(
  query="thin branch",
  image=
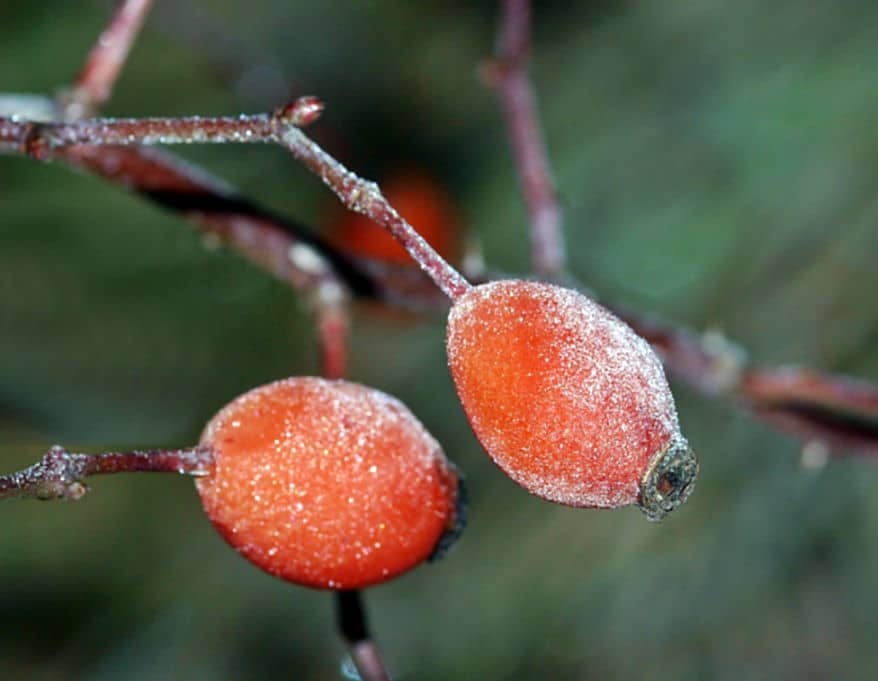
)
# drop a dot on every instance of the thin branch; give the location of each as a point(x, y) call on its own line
point(707, 362)
point(839, 411)
point(835, 410)
point(41, 140)
point(237, 222)
point(508, 75)
point(333, 326)
point(38, 140)
point(365, 197)
point(354, 629)
point(60, 474)
point(95, 82)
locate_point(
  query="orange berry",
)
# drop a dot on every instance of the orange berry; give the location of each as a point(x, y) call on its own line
point(327, 484)
point(421, 201)
point(567, 399)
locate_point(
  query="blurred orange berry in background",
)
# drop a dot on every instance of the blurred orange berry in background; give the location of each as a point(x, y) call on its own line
point(421, 200)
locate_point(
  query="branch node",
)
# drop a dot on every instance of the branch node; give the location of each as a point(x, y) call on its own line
point(59, 475)
point(300, 113)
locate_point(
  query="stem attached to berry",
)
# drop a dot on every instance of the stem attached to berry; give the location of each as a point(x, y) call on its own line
point(354, 629)
point(669, 480)
point(365, 197)
point(59, 474)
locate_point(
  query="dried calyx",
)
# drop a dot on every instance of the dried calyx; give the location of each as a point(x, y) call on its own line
point(669, 480)
point(566, 399)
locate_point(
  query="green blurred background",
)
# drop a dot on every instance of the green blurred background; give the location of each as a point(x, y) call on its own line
point(718, 165)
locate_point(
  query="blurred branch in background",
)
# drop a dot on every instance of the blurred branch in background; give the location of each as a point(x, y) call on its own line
point(835, 411)
point(507, 73)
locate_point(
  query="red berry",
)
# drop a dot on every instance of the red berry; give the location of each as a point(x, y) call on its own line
point(327, 484)
point(567, 399)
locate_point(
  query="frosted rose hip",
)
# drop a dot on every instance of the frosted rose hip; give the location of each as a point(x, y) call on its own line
point(567, 399)
point(327, 483)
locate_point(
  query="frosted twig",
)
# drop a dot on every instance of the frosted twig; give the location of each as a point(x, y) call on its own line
point(365, 197)
point(41, 140)
point(60, 474)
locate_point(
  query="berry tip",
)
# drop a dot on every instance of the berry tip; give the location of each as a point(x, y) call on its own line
point(303, 111)
point(669, 480)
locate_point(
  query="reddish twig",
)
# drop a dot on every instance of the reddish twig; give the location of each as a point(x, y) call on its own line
point(60, 474)
point(220, 212)
point(333, 325)
point(43, 140)
point(105, 61)
point(40, 139)
point(707, 362)
point(365, 197)
point(215, 208)
point(507, 73)
point(839, 411)
point(274, 244)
